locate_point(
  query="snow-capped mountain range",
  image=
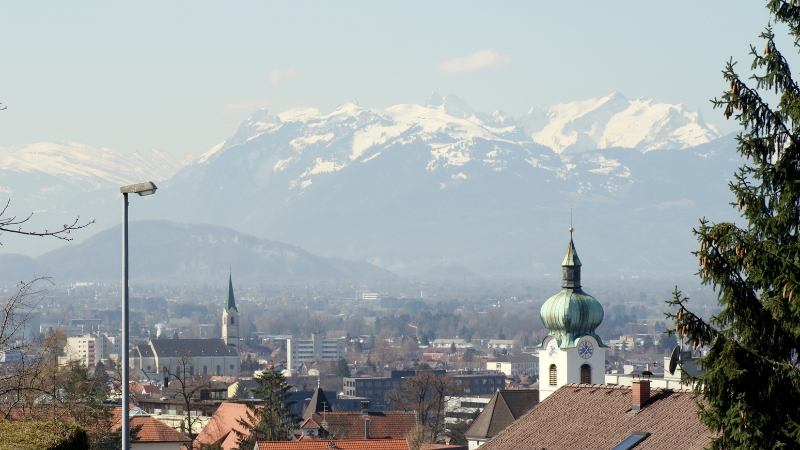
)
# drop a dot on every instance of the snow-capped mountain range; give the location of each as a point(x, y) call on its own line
point(74, 161)
point(614, 121)
point(414, 187)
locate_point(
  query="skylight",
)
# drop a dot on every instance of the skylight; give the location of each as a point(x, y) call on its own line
point(632, 441)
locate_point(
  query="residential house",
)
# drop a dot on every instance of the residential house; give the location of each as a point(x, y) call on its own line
point(502, 410)
point(605, 416)
point(364, 444)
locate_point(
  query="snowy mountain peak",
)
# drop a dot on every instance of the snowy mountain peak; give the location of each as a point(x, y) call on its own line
point(615, 121)
point(75, 161)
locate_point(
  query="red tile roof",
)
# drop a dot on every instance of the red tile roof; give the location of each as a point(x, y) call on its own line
point(362, 444)
point(382, 425)
point(219, 428)
point(598, 416)
point(309, 423)
point(153, 431)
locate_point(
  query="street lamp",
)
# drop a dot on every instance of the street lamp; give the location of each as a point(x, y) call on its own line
point(146, 188)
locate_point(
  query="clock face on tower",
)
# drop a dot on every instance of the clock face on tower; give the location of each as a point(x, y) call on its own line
point(585, 349)
point(552, 350)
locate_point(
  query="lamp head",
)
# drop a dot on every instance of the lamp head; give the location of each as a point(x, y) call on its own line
point(146, 188)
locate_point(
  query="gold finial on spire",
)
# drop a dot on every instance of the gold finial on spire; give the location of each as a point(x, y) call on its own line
point(570, 220)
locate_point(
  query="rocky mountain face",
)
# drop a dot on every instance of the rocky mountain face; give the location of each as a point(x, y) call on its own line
point(441, 189)
point(616, 122)
point(417, 188)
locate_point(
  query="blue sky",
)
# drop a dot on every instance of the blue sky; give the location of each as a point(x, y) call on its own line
point(180, 76)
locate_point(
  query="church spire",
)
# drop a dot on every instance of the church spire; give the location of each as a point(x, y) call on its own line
point(571, 266)
point(230, 302)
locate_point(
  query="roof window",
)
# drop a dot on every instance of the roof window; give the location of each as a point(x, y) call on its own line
point(632, 441)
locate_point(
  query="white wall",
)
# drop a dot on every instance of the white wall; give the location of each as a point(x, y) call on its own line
point(568, 364)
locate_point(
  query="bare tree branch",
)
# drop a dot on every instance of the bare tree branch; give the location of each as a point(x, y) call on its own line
point(9, 224)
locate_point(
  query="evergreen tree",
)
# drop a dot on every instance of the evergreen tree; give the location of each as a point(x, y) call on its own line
point(273, 421)
point(751, 381)
point(342, 370)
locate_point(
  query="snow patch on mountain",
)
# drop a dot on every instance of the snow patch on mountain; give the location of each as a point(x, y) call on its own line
point(614, 121)
point(78, 162)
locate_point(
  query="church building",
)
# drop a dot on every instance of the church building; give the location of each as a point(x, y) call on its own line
point(204, 356)
point(571, 352)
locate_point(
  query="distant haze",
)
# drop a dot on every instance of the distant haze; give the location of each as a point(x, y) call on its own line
point(437, 188)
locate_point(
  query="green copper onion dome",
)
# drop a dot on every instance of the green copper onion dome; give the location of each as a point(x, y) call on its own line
point(572, 313)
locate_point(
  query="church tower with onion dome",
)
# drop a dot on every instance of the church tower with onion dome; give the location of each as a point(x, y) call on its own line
point(571, 352)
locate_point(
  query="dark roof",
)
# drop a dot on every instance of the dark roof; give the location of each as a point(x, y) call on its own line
point(230, 302)
point(502, 410)
point(598, 416)
point(144, 351)
point(319, 403)
point(195, 347)
point(382, 425)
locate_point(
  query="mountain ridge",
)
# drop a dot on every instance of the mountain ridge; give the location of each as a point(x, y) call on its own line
point(182, 253)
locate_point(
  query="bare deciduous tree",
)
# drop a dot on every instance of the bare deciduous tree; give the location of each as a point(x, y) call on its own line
point(188, 387)
point(12, 224)
point(424, 394)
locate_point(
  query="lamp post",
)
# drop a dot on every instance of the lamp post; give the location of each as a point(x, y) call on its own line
point(146, 188)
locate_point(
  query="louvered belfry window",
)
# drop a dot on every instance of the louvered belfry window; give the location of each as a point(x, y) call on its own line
point(586, 374)
point(553, 375)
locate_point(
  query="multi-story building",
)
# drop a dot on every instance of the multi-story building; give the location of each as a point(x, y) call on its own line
point(463, 408)
point(376, 388)
point(623, 344)
point(316, 349)
point(91, 349)
point(512, 365)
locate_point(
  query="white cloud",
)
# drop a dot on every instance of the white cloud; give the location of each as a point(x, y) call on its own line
point(482, 59)
point(279, 75)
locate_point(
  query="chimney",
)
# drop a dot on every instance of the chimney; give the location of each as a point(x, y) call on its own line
point(366, 428)
point(641, 394)
point(365, 408)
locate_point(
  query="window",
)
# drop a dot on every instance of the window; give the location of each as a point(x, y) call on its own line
point(205, 370)
point(148, 368)
point(553, 375)
point(231, 366)
point(231, 320)
point(191, 371)
point(586, 374)
point(219, 370)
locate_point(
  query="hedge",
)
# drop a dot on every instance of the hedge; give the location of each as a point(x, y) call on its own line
point(51, 435)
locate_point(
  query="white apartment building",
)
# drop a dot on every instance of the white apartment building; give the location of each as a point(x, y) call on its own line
point(90, 349)
point(511, 365)
point(316, 349)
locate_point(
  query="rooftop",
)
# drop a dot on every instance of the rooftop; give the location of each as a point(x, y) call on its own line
point(363, 444)
point(598, 416)
point(382, 425)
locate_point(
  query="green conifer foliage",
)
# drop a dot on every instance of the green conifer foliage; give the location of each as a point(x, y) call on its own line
point(751, 382)
point(273, 421)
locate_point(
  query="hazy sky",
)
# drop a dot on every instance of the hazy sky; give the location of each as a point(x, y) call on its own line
point(180, 76)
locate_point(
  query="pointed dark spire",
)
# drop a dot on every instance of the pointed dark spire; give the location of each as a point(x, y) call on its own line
point(571, 266)
point(230, 302)
point(318, 404)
